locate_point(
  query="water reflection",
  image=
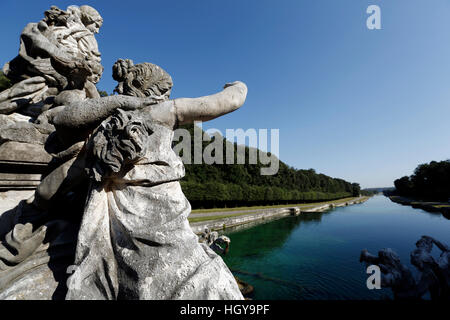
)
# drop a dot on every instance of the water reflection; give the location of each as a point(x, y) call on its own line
point(316, 255)
point(269, 234)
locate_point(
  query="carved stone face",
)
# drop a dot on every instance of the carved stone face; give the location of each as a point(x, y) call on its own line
point(95, 26)
point(120, 140)
point(91, 19)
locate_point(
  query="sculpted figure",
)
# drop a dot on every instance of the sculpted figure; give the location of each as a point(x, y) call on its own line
point(434, 274)
point(219, 244)
point(433, 277)
point(110, 208)
point(134, 240)
point(68, 142)
point(55, 209)
point(57, 54)
point(58, 63)
point(394, 274)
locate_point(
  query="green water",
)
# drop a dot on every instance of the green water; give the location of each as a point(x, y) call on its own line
point(316, 255)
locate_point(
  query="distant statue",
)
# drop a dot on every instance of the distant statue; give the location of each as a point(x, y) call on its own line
point(219, 244)
point(434, 276)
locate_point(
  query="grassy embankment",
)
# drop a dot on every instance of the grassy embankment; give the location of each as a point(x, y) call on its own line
point(431, 206)
point(251, 210)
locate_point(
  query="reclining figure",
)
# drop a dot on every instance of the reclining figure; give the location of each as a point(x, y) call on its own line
point(434, 276)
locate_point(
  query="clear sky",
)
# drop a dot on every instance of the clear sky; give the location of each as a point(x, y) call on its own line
point(364, 105)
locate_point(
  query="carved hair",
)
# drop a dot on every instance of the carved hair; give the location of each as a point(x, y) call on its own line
point(56, 16)
point(118, 142)
point(141, 80)
point(84, 14)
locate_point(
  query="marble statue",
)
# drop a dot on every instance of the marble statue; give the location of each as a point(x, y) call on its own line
point(136, 212)
point(219, 244)
point(434, 276)
point(58, 63)
point(109, 218)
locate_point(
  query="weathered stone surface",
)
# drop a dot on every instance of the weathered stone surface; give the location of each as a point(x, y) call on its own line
point(20, 152)
point(9, 199)
point(10, 181)
point(33, 263)
point(21, 131)
point(28, 91)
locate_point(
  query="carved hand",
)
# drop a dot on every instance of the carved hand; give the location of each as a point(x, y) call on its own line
point(153, 100)
point(134, 103)
point(234, 83)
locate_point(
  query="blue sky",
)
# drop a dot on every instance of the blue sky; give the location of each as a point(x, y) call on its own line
point(364, 105)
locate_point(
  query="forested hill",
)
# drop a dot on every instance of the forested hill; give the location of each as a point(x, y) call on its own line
point(220, 185)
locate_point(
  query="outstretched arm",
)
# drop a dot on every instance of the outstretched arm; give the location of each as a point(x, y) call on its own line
point(210, 107)
point(90, 112)
point(441, 246)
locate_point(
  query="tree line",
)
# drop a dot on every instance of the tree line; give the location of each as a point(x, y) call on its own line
point(430, 181)
point(228, 185)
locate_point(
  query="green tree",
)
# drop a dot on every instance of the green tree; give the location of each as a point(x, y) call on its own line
point(356, 189)
point(244, 185)
point(5, 83)
point(102, 93)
